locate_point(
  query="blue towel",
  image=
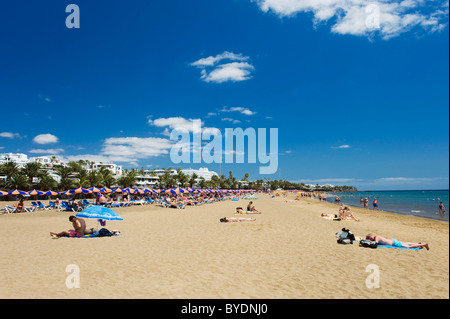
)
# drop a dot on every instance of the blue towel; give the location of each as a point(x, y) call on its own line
point(387, 246)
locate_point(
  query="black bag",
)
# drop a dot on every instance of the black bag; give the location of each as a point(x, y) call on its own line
point(368, 244)
point(345, 241)
point(345, 237)
point(105, 233)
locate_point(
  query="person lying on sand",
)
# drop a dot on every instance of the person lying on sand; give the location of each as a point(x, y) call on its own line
point(393, 242)
point(79, 225)
point(236, 220)
point(331, 216)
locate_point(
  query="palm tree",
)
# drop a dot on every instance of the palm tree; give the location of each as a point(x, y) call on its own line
point(94, 179)
point(128, 179)
point(106, 177)
point(64, 172)
point(192, 180)
point(46, 182)
point(32, 170)
point(19, 181)
point(182, 178)
point(10, 169)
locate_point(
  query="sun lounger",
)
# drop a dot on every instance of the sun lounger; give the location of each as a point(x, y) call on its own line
point(42, 206)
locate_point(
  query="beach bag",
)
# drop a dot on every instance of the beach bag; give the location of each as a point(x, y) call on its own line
point(345, 237)
point(105, 233)
point(368, 244)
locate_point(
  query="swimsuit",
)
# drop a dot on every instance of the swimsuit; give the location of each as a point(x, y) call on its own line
point(74, 233)
point(396, 243)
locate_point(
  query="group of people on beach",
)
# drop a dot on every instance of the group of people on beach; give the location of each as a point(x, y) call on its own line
point(345, 213)
point(239, 211)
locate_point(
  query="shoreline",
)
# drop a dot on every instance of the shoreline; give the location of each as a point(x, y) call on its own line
point(437, 217)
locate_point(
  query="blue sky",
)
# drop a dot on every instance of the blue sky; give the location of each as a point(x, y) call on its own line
point(353, 105)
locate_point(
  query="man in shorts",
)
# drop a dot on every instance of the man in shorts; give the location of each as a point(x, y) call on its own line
point(394, 242)
point(79, 229)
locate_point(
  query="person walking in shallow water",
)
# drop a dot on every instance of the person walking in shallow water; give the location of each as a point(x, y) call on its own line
point(441, 208)
point(375, 204)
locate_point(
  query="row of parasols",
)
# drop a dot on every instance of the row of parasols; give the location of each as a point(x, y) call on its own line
point(106, 190)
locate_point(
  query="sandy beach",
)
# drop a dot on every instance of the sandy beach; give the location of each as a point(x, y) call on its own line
point(289, 252)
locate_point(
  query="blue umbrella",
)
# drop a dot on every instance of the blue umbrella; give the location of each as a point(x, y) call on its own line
point(99, 213)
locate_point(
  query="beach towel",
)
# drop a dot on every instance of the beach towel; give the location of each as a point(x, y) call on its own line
point(395, 247)
point(392, 247)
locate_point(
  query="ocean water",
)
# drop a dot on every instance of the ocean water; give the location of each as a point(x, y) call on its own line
point(423, 203)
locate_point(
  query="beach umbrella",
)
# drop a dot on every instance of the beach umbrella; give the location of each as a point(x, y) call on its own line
point(99, 213)
point(129, 190)
point(80, 191)
point(95, 190)
point(106, 190)
point(2, 193)
point(51, 193)
point(170, 191)
point(118, 190)
point(17, 192)
point(35, 193)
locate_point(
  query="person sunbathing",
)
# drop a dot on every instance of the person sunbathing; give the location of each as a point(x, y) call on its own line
point(236, 220)
point(346, 213)
point(252, 209)
point(79, 225)
point(331, 217)
point(394, 242)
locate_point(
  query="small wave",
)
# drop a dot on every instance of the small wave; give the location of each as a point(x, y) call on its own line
point(416, 211)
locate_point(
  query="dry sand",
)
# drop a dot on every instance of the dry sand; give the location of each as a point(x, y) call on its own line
point(289, 252)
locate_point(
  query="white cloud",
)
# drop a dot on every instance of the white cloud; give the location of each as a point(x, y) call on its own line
point(45, 98)
point(341, 147)
point(227, 119)
point(47, 151)
point(410, 179)
point(45, 139)
point(238, 109)
point(10, 135)
point(389, 18)
point(235, 70)
point(331, 180)
point(182, 124)
point(137, 148)
point(211, 61)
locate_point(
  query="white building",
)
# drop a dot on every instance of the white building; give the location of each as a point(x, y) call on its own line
point(202, 172)
point(19, 159)
point(115, 170)
point(146, 180)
